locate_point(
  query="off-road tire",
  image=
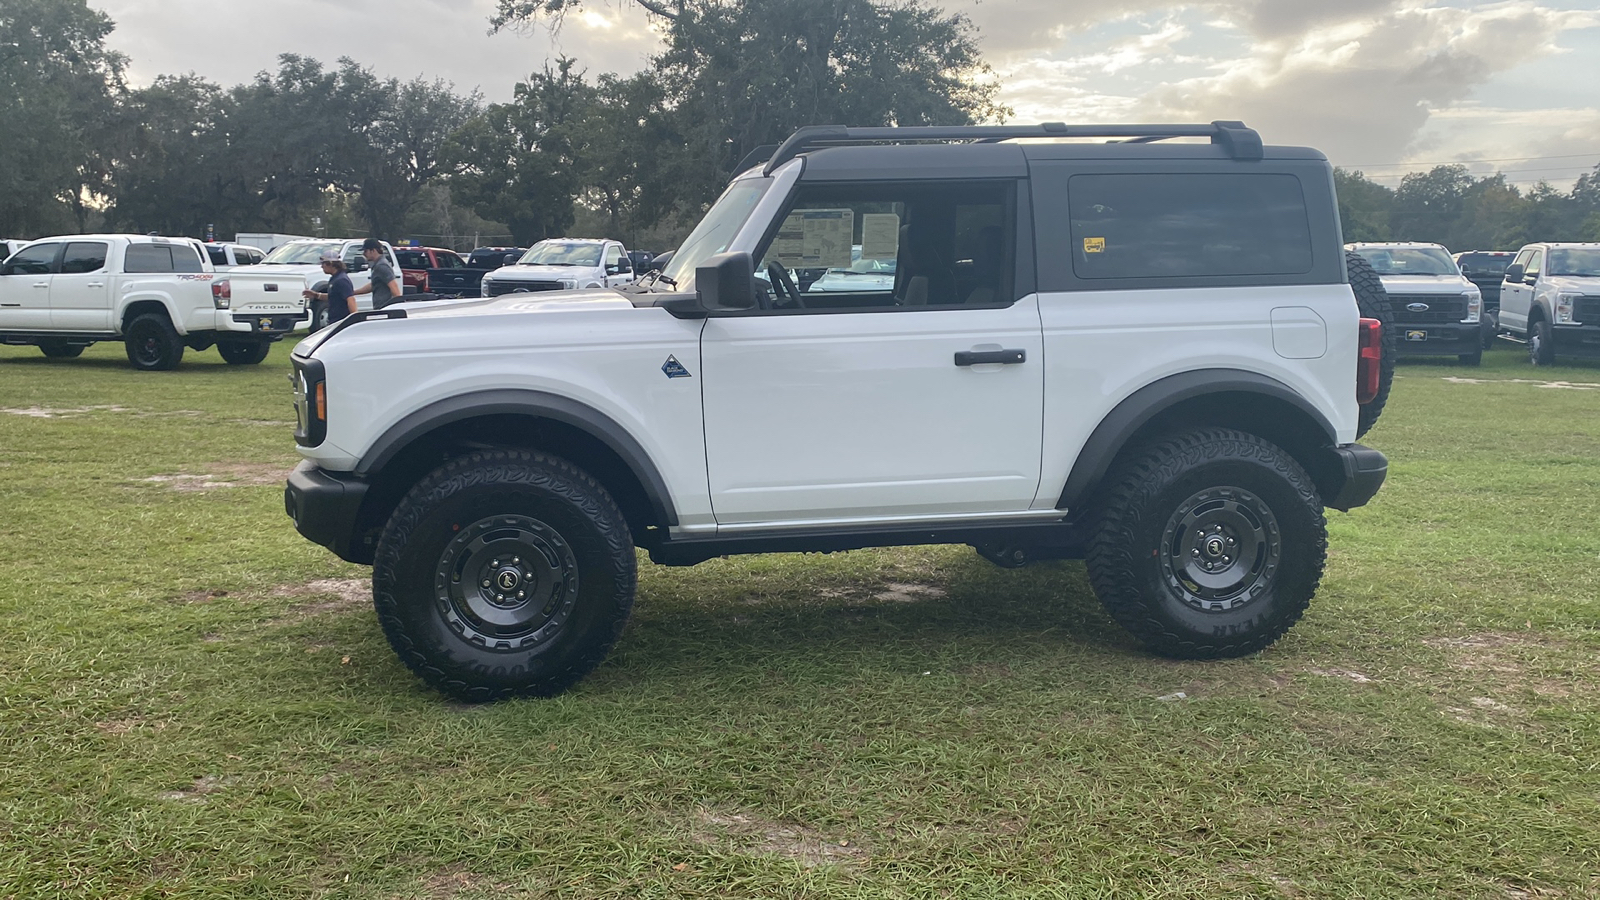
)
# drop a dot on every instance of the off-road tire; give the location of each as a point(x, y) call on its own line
point(319, 315)
point(1373, 301)
point(543, 524)
point(1541, 343)
point(1165, 503)
point(61, 349)
point(152, 343)
point(243, 353)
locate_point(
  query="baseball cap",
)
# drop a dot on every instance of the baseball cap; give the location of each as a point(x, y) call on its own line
point(329, 256)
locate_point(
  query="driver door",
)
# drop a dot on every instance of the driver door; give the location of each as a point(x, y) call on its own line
point(1516, 297)
point(25, 287)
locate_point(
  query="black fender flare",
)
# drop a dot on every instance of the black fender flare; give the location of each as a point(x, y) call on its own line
point(1137, 409)
point(533, 404)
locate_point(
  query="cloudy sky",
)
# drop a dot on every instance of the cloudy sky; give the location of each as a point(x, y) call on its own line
point(1384, 86)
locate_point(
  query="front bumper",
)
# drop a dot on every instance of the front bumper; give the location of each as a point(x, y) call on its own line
point(325, 506)
point(1364, 470)
point(1439, 339)
point(1576, 340)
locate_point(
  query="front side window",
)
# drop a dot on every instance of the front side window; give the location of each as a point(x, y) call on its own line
point(82, 257)
point(562, 253)
point(1535, 265)
point(1408, 260)
point(613, 256)
point(930, 244)
point(1189, 225)
point(35, 260)
point(1581, 262)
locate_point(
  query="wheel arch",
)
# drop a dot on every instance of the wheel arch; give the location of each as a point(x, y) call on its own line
point(1231, 398)
point(146, 303)
point(521, 419)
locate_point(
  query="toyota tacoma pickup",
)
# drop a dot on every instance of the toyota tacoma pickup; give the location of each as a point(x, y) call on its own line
point(267, 298)
point(1145, 352)
point(155, 295)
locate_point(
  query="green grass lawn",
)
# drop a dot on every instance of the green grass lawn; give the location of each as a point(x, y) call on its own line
point(195, 702)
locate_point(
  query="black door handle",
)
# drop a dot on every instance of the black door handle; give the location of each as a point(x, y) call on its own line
point(980, 357)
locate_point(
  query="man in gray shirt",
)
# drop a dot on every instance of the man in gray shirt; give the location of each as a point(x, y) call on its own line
point(384, 285)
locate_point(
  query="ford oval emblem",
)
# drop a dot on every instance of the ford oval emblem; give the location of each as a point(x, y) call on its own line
point(1417, 307)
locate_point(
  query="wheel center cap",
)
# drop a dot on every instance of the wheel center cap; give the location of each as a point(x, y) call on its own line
point(1214, 547)
point(508, 579)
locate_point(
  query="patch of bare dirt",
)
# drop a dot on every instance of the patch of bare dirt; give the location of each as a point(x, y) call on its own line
point(224, 475)
point(1536, 382)
point(132, 723)
point(756, 836)
point(203, 596)
point(907, 593)
point(1507, 663)
point(44, 412)
point(454, 881)
point(327, 595)
point(196, 792)
point(1347, 674)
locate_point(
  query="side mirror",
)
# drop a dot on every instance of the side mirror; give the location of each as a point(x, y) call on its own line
point(358, 267)
point(510, 260)
point(727, 281)
point(1513, 272)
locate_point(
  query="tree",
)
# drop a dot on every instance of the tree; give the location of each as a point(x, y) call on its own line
point(1363, 206)
point(170, 169)
point(1428, 204)
point(58, 84)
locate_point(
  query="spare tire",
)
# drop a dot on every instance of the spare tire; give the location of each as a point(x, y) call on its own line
point(1373, 301)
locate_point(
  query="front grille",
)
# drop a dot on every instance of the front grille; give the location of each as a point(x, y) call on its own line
point(1586, 310)
point(1441, 308)
point(496, 288)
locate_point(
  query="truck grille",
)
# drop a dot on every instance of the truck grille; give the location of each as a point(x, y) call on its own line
point(1586, 310)
point(496, 288)
point(1441, 308)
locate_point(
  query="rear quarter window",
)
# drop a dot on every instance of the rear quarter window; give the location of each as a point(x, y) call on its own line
point(148, 258)
point(1139, 226)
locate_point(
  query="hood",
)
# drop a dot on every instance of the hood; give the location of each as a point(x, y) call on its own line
point(540, 273)
point(1577, 284)
point(279, 270)
point(1425, 284)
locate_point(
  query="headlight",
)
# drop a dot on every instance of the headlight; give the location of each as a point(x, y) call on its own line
point(1564, 303)
point(569, 284)
point(1474, 300)
point(310, 402)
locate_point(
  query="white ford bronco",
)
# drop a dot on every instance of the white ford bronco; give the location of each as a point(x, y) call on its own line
point(156, 295)
point(1550, 299)
point(1144, 354)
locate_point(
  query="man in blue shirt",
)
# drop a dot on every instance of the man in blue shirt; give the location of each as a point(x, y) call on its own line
point(340, 296)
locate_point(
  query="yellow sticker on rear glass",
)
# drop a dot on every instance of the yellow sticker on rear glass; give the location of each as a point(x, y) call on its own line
point(1094, 245)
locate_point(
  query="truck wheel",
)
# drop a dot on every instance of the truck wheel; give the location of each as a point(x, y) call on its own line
point(1475, 358)
point(504, 573)
point(1373, 302)
point(1208, 544)
point(61, 349)
point(319, 315)
point(153, 344)
point(243, 353)
point(1541, 344)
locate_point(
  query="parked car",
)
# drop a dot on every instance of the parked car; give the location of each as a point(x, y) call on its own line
point(562, 264)
point(416, 261)
point(156, 295)
point(225, 256)
point(1163, 369)
point(1550, 299)
point(1487, 269)
point(641, 260)
point(1436, 310)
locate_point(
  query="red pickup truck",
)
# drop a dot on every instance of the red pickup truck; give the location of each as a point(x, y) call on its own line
point(416, 261)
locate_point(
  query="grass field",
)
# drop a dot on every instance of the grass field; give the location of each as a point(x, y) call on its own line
point(195, 702)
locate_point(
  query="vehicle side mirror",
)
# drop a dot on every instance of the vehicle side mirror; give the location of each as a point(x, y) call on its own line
point(624, 267)
point(727, 281)
point(358, 267)
point(5, 269)
point(1513, 272)
point(510, 260)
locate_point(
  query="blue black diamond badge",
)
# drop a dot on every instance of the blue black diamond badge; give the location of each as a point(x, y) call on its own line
point(675, 369)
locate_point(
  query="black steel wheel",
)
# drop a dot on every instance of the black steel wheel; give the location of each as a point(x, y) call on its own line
point(1373, 302)
point(319, 315)
point(1541, 344)
point(152, 343)
point(504, 573)
point(61, 349)
point(1208, 544)
point(243, 353)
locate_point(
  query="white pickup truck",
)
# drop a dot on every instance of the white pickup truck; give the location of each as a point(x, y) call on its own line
point(156, 295)
point(267, 297)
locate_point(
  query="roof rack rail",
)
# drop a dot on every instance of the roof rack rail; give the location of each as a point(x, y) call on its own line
point(1241, 142)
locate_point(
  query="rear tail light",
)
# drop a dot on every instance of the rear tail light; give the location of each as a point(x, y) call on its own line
point(221, 293)
point(1369, 361)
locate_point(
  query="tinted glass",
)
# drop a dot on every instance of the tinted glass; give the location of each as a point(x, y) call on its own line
point(187, 258)
point(83, 256)
point(148, 258)
point(1160, 226)
point(1408, 260)
point(413, 259)
point(449, 261)
point(1484, 263)
point(247, 257)
point(562, 253)
point(219, 256)
point(1583, 262)
point(302, 253)
point(35, 260)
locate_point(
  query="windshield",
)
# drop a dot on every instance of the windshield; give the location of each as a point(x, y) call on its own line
point(1585, 262)
point(1409, 261)
point(562, 253)
point(712, 236)
point(302, 253)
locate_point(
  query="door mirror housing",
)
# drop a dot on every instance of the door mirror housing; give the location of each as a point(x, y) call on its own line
point(726, 281)
point(510, 259)
point(1513, 272)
